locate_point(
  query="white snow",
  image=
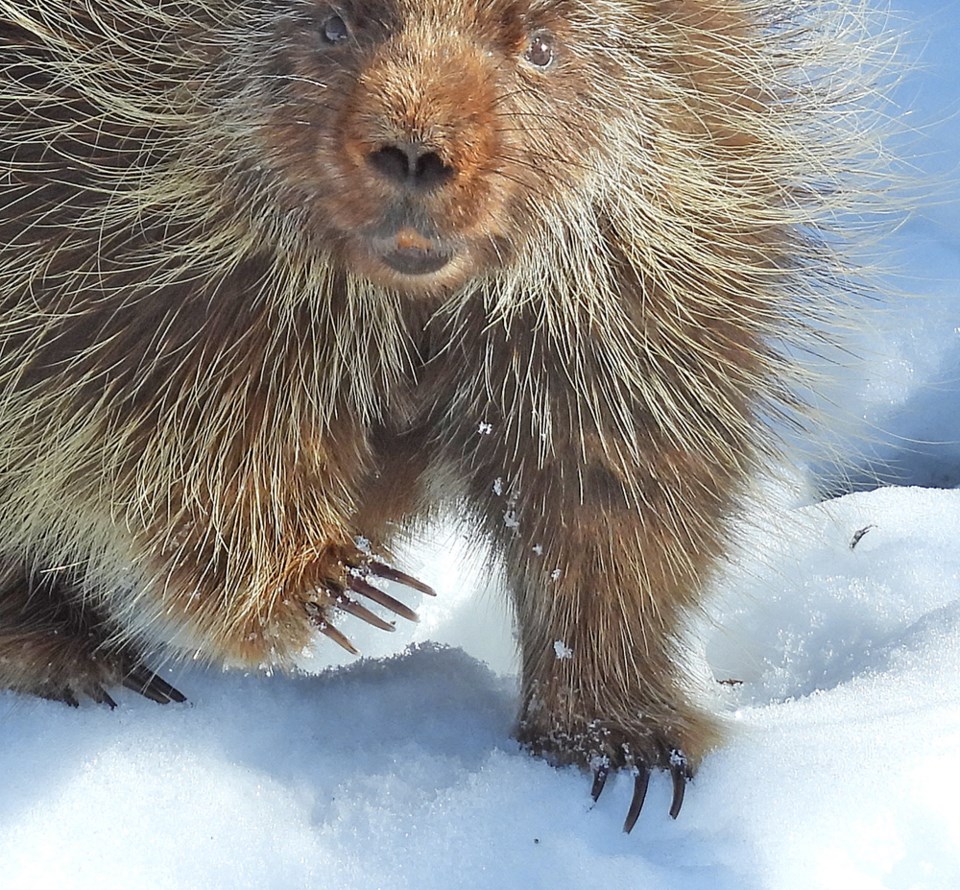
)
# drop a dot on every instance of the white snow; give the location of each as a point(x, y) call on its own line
point(842, 769)
point(841, 670)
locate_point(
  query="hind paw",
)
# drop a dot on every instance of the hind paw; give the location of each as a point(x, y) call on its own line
point(71, 676)
point(604, 747)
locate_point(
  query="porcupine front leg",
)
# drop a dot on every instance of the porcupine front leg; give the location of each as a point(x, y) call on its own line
point(605, 563)
point(339, 570)
point(391, 500)
point(255, 571)
point(54, 646)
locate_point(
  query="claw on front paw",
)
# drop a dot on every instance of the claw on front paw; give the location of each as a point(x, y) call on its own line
point(356, 576)
point(318, 616)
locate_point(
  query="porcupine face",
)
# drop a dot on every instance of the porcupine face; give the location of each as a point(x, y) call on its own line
point(426, 137)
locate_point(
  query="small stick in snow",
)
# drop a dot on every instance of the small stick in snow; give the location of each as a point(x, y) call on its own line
point(858, 535)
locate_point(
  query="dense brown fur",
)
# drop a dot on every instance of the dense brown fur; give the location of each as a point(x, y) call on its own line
point(239, 332)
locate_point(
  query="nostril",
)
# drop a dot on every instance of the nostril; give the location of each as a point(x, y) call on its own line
point(391, 161)
point(410, 164)
point(431, 171)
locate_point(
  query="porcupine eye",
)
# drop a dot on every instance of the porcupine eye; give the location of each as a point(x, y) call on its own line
point(539, 51)
point(334, 29)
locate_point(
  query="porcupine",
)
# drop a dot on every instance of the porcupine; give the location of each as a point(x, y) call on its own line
point(274, 273)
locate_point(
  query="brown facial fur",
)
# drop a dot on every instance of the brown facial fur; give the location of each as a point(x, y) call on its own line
point(270, 270)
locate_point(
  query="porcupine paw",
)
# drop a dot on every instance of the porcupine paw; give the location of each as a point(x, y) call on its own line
point(69, 671)
point(53, 647)
point(345, 572)
point(603, 746)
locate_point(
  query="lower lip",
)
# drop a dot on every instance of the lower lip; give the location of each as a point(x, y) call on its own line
point(410, 261)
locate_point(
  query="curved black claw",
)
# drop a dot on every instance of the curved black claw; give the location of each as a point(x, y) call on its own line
point(680, 773)
point(640, 783)
point(382, 570)
point(364, 588)
point(354, 608)
point(101, 697)
point(145, 682)
point(599, 780)
point(319, 618)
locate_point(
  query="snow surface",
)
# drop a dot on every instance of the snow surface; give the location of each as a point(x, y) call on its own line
point(398, 770)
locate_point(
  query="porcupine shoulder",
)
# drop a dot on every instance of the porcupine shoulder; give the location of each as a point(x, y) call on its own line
point(271, 268)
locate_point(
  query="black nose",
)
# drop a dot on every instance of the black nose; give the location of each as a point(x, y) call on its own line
point(412, 165)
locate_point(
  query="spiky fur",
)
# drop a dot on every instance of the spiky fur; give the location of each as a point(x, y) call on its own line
point(206, 395)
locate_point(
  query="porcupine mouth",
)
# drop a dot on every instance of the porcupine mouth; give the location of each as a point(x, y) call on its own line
point(411, 261)
point(409, 253)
